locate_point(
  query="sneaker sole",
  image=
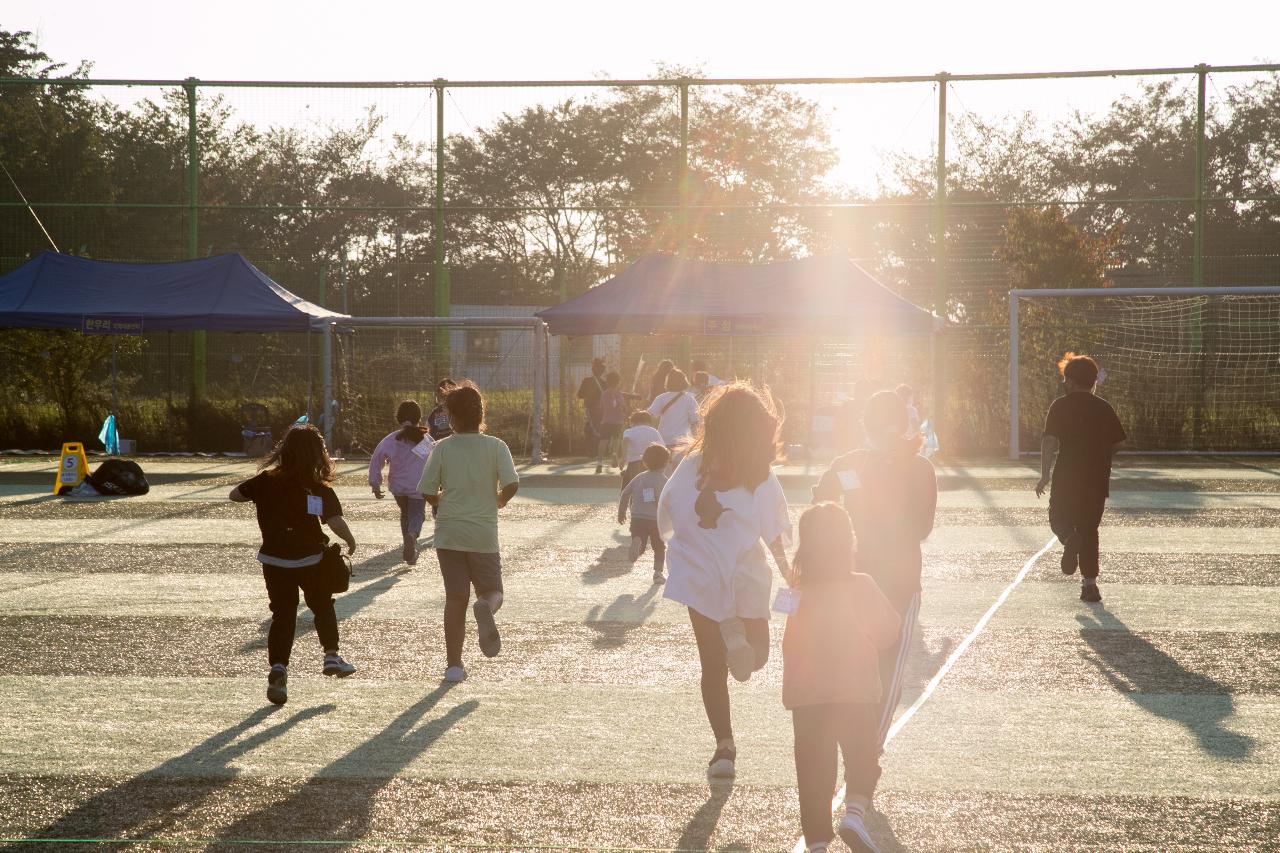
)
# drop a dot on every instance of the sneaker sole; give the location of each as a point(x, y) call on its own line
point(741, 657)
point(335, 672)
point(277, 694)
point(490, 640)
point(856, 842)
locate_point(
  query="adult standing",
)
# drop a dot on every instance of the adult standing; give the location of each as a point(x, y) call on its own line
point(891, 494)
point(658, 380)
point(675, 410)
point(721, 507)
point(590, 392)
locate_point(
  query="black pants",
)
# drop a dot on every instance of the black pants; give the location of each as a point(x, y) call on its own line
point(282, 593)
point(713, 656)
point(821, 731)
point(1074, 518)
point(646, 530)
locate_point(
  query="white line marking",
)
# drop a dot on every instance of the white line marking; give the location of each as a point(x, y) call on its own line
point(838, 801)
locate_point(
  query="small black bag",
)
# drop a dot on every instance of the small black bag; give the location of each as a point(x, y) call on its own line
point(335, 570)
point(119, 477)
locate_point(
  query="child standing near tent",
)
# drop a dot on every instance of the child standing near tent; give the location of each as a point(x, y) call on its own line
point(830, 676)
point(293, 496)
point(1082, 431)
point(405, 451)
point(642, 494)
point(469, 477)
point(613, 413)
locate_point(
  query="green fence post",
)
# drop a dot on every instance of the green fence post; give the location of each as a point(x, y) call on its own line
point(198, 340)
point(443, 290)
point(682, 201)
point(1197, 251)
point(937, 415)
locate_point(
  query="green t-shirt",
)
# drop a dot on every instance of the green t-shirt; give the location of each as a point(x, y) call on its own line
point(467, 470)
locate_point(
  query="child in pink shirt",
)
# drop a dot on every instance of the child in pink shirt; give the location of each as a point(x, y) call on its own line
point(405, 451)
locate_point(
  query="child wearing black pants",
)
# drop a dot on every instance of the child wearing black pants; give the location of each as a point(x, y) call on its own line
point(1081, 433)
point(831, 676)
point(642, 493)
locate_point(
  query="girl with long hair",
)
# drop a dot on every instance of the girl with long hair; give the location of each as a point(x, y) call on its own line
point(293, 496)
point(405, 451)
point(830, 676)
point(468, 478)
point(891, 494)
point(722, 507)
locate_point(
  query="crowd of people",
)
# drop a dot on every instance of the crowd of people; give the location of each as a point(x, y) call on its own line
point(698, 482)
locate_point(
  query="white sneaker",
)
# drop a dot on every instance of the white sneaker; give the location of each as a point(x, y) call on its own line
point(742, 658)
point(855, 835)
point(455, 674)
point(721, 765)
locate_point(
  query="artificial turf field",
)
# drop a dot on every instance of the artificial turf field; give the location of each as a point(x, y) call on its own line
point(133, 640)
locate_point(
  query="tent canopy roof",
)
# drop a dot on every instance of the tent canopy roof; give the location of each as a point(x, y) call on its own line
point(827, 295)
point(225, 293)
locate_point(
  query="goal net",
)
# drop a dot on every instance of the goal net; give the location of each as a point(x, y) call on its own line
point(1187, 370)
point(376, 365)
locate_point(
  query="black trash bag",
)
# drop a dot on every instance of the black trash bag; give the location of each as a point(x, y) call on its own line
point(119, 477)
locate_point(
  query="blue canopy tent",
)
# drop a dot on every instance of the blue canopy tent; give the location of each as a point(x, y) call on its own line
point(225, 293)
point(662, 294)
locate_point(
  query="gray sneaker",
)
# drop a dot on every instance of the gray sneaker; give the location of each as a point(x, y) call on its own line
point(277, 686)
point(490, 641)
point(335, 665)
point(455, 674)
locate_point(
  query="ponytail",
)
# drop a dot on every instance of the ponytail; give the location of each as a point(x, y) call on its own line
point(409, 414)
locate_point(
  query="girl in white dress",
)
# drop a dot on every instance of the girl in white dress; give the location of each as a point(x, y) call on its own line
point(721, 509)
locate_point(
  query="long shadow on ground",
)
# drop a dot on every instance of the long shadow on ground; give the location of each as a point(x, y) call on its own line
point(153, 801)
point(1152, 680)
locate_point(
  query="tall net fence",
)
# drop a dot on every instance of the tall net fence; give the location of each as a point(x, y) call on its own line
point(1186, 372)
point(454, 198)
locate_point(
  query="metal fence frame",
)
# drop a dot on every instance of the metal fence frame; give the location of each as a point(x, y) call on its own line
point(682, 85)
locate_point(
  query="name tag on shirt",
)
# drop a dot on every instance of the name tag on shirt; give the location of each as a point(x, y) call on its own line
point(421, 449)
point(648, 496)
point(315, 505)
point(786, 601)
point(849, 480)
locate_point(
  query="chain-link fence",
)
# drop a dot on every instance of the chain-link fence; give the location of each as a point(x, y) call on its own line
point(416, 199)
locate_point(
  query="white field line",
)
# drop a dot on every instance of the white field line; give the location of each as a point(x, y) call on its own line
point(837, 802)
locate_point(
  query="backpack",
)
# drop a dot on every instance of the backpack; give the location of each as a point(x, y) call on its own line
point(119, 477)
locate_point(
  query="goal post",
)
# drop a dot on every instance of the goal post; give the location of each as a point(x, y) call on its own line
point(1189, 370)
point(503, 355)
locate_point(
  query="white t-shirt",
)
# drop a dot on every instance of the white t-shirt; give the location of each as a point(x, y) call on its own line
point(720, 571)
point(679, 420)
point(635, 439)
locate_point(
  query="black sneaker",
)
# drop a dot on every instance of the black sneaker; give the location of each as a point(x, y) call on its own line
point(1070, 562)
point(721, 764)
point(1089, 592)
point(277, 686)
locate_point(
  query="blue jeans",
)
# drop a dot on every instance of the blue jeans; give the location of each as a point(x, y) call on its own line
point(413, 512)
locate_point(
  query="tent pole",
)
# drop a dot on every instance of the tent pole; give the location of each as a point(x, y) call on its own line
point(115, 418)
point(328, 407)
point(539, 333)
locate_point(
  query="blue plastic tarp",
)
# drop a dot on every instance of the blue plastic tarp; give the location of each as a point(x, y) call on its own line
point(225, 293)
point(666, 295)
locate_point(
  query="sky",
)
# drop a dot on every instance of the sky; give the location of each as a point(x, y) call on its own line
point(570, 39)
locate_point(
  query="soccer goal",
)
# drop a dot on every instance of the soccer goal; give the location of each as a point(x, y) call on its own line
point(1189, 370)
point(370, 364)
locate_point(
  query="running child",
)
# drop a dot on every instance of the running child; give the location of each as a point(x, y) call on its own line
point(1082, 431)
point(635, 440)
point(293, 496)
point(891, 494)
point(676, 410)
point(406, 451)
point(438, 420)
point(469, 476)
point(642, 493)
point(831, 678)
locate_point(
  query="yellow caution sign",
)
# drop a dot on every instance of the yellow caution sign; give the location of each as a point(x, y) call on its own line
point(73, 467)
